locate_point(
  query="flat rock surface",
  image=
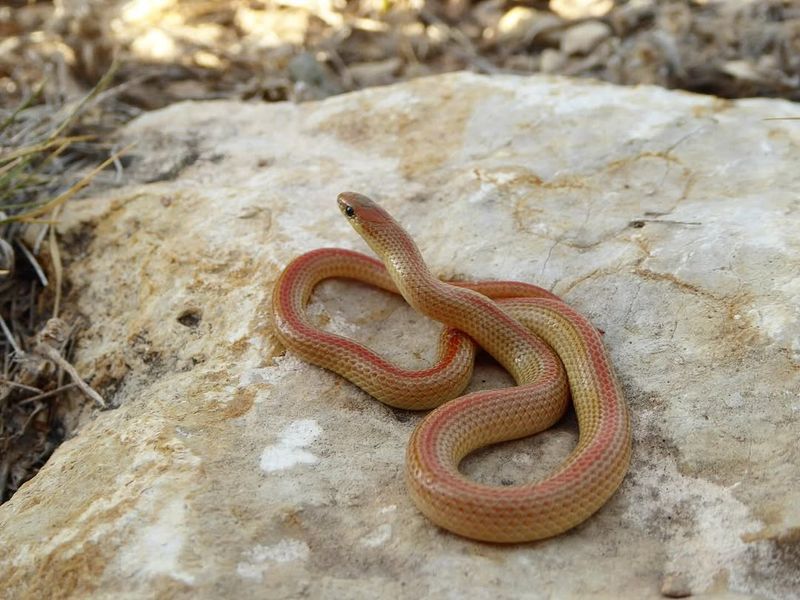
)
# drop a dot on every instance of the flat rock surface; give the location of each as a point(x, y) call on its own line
point(232, 469)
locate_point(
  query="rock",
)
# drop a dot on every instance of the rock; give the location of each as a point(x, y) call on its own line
point(515, 24)
point(313, 79)
point(231, 469)
point(629, 17)
point(374, 73)
point(551, 60)
point(581, 9)
point(583, 38)
point(675, 586)
point(521, 25)
point(487, 14)
point(273, 28)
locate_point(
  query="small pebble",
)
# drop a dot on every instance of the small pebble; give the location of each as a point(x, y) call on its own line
point(580, 9)
point(381, 72)
point(583, 38)
point(675, 586)
point(551, 61)
point(516, 23)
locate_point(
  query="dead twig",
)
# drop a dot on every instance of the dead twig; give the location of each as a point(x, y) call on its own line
point(10, 337)
point(34, 263)
point(48, 345)
point(55, 256)
point(51, 393)
point(21, 386)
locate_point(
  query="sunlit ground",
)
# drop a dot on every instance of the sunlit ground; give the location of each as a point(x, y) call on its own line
point(308, 49)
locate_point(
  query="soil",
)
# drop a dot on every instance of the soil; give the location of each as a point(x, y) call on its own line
point(308, 49)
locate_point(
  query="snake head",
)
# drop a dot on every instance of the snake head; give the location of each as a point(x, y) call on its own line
point(366, 217)
point(358, 208)
point(381, 232)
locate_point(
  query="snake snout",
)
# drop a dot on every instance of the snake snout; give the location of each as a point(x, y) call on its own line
point(346, 207)
point(360, 208)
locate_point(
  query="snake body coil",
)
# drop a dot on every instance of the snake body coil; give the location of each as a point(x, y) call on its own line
point(526, 329)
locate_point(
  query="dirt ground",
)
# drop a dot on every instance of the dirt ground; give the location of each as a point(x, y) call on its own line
point(150, 53)
point(307, 49)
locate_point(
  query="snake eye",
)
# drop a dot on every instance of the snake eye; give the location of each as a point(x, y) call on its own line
point(349, 211)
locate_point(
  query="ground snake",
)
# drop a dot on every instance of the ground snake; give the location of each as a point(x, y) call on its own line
point(528, 330)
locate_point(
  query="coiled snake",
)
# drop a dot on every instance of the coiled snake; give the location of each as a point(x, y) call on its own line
point(526, 329)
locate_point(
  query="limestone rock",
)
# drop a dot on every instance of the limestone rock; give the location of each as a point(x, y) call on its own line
point(231, 469)
point(521, 25)
point(380, 72)
point(581, 9)
point(551, 60)
point(583, 38)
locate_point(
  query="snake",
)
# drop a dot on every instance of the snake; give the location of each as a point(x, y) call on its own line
point(553, 353)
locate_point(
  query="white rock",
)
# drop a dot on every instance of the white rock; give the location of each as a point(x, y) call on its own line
point(581, 9)
point(583, 38)
point(669, 219)
point(551, 60)
point(522, 24)
point(375, 73)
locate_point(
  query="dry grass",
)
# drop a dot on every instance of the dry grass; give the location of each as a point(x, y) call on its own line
point(40, 162)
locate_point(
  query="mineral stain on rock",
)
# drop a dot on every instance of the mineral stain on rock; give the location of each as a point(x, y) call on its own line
point(258, 560)
point(291, 447)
